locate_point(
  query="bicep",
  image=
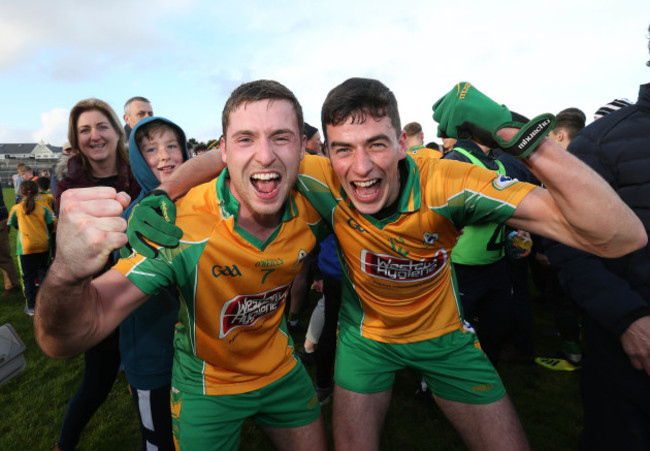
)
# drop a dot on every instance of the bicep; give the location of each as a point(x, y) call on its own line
point(538, 213)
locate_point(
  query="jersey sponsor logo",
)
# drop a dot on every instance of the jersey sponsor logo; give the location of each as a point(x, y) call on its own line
point(396, 269)
point(503, 181)
point(430, 238)
point(246, 309)
point(230, 271)
point(355, 225)
point(269, 263)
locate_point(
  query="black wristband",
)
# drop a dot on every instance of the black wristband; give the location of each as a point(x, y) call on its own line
point(528, 137)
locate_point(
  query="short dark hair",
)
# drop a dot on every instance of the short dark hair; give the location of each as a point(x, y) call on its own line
point(572, 120)
point(412, 128)
point(43, 183)
point(201, 147)
point(261, 90)
point(356, 98)
point(433, 145)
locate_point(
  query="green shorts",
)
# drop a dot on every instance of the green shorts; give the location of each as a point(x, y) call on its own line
point(214, 422)
point(453, 365)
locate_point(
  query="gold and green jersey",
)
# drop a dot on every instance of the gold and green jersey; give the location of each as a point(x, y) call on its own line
point(398, 285)
point(33, 233)
point(416, 151)
point(48, 198)
point(232, 337)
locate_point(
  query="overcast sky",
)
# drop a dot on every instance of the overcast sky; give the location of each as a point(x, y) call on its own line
point(186, 56)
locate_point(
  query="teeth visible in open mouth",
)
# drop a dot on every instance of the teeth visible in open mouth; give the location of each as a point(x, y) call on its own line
point(265, 176)
point(366, 184)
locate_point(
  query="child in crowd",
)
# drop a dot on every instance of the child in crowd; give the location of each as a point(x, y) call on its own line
point(35, 222)
point(45, 192)
point(157, 147)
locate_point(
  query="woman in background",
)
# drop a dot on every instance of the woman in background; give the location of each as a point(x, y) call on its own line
point(100, 159)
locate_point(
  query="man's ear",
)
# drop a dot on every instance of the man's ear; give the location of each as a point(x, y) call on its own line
point(402, 145)
point(303, 146)
point(222, 148)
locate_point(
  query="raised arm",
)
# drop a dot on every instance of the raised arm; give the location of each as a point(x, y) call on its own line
point(578, 207)
point(73, 311)
point(195, 171)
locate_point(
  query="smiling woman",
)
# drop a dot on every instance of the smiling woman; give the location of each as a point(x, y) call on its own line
point(99, 148)
point(99, 159)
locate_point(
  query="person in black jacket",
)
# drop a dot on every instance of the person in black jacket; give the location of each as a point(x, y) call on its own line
point(615, 293)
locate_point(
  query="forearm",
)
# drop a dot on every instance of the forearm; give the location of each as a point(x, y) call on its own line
point(585, 212)
point(193, 172)
point(66, 321)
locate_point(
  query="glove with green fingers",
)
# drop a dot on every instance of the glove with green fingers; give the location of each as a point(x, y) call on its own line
point(466, 113)
point(152, 218)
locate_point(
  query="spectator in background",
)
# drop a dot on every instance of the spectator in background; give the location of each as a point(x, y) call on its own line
point(199, 149)
point(136, 109)
point(100, 159)
point(213, 144)
point(568, 124)
point(16, 181)
point(415, 140)
point(433, 145)
point(11, 283)
point(35, 222)
point(45, 193)
point(614, 294)
point(314, 143)
point(25, 172)
point(61, 168)
point(482, 271)
point(414, 136)
point(610, 107)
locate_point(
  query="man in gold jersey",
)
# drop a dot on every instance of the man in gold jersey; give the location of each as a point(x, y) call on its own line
point(246, 234)
point(397, 218)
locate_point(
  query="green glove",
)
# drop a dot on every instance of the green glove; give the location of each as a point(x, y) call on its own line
point(466, 113)
point(152, 218)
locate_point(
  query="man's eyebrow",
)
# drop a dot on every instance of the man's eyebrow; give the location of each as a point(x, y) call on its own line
point(282, 131)
point(244, 132)
point(379, 137)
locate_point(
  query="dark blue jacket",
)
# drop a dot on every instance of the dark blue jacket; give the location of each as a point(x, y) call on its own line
point(614, 292)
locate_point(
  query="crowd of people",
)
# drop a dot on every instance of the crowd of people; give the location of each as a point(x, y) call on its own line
point(421, 253)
